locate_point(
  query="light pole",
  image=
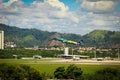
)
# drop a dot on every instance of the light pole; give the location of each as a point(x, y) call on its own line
point(72, 51)
point(94, 51)
point(118, 54)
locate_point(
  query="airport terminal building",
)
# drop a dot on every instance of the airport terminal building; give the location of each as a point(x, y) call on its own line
point(1, 39)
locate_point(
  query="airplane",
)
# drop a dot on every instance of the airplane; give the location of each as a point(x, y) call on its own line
point(69, 41)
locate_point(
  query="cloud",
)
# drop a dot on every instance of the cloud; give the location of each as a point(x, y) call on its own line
point(99, 14)
point(38, 12)
point(1, 1)
point(98, 5)
point(53, 15)
point(98, 23)
point(9, 3)
point(57, 4)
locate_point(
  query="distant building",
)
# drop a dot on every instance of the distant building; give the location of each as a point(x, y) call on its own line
point(1, 39)
point(10, 44)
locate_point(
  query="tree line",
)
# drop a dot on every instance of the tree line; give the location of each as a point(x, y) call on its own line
point(8, 53)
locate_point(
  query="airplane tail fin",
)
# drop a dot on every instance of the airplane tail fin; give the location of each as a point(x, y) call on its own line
point(81, 42)
point(54, 39)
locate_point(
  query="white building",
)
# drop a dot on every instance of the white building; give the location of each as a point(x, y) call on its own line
point(10, 44)
point(1, 39)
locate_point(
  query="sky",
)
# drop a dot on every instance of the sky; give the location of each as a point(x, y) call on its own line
point(64, 16)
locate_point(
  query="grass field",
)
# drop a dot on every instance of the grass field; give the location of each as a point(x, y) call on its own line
point(50, 65)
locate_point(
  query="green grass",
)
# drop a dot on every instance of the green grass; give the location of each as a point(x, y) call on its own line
point(44, 65)
point(87, 69)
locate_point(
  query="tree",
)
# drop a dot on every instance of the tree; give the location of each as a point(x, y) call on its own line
point(104, 74)
point(59, 73)
point(32, 74)
point(11, 72)
point(107, 74)
point(18, 72)
point(73, 72)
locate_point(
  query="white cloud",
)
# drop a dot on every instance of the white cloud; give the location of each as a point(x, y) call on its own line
point(99, 5)
point(57, 4)
point(98, 23)
point(38, 12)
point(9, 3)
point(101, 20)
point(53, 15)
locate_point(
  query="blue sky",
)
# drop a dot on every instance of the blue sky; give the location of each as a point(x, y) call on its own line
point(64, 16)
point(71, 4)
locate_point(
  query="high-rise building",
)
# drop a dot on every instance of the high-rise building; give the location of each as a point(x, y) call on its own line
point(1, 39)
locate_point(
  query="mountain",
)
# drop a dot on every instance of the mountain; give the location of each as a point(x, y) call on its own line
point(103, 38)
point(34, 37)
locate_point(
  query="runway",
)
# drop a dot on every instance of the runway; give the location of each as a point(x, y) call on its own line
point(82, 61)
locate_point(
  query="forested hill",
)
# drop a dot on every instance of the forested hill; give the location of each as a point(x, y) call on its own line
point(103, 38)
point(33, 37)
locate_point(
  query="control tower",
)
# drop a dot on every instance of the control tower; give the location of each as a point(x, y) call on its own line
point(66, 51)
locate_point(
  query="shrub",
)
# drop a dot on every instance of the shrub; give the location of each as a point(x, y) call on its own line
point(107, 74)
point(72, 72)
point(11, 72)
point(60, 73)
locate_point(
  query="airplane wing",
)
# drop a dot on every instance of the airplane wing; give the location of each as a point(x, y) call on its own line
point(60, 39)
point(71, 42)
